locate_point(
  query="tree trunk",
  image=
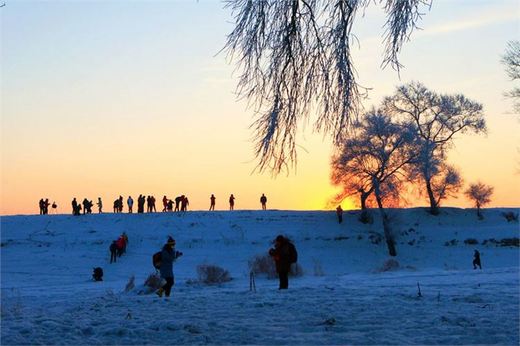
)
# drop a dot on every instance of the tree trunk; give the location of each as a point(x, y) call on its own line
point(434, 207)
point(478, 211)
point(390, 243)
point(364, 217)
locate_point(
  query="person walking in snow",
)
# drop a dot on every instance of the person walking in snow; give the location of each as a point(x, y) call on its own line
point(284, 254)
point(212, 202)
point(231, 202)
point(113, 251)
point(130, 203)
point(168, 256)
point(339, 212)
point(99, 205)
point(263, 201)
point(476, 260)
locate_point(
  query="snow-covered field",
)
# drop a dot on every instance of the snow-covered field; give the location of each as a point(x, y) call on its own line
point(343, 297)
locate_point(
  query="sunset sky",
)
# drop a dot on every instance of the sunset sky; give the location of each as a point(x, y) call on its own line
point(102, 98)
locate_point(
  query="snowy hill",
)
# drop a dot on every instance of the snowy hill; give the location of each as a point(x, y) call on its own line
point(343, 296)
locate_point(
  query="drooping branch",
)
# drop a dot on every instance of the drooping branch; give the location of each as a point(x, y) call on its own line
point(294, 59)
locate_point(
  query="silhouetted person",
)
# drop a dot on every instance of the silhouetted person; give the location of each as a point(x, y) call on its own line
point(178, 201)
point(152, 202)
point(85, 205)
point(46, 204)
point(284, 254)
point(165, 203)
point(476, 260)
point(212, 202)
point(120, 203)
point(140, 204)
point(99, 205)
point(113, 251)
point(231, 202)
point(170, 205)
point(89, 206)
point(74, 206)
point(339, 212)
point(263, 201)
point(130, 203)
point(185, 203)
point(40, 203)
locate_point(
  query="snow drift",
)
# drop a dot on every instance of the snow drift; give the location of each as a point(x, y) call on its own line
point(350, 291)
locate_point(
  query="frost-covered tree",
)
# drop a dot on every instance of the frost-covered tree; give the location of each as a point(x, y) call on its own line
point(437, 119)
point(479, 193)
point(511, 60)
point(295, 59)
point(374, 156)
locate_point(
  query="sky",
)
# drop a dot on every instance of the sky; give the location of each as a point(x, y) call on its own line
point(109, 98)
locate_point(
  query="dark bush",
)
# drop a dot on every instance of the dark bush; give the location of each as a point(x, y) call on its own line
point(510, 216)
point(212, 274)
point(264, 264)
point(471, 241)
point(509, 242)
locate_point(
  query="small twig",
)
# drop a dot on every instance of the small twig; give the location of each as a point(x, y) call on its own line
point(419, 290)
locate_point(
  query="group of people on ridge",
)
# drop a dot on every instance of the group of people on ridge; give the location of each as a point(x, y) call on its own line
point(181, 203)
point(44, 206)
point(76, 207)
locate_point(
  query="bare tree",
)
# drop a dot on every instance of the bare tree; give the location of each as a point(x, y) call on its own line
point(480, 193)
point(374, 156)
point(437, 119)
point(511, 60)
point(294, 57)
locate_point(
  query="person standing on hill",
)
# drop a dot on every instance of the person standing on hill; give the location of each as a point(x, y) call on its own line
point(41, 206)
point(168, 256)
point(212, 202)
point(152, 205)
point(284, 254)
point(46, 204)
point(231, 202)
point(165, 203)
point(339, 212)
point(178, 201)
point(185, 203)
point(263, 201)
point(99, 205)
point(130, 203)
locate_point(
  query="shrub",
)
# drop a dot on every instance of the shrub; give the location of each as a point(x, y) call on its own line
point(509, 242)
point(471, 241)
point(264, 264)
point(510, 216)
point(212, 274)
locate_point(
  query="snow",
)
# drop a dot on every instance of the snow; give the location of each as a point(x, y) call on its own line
point(343, 297)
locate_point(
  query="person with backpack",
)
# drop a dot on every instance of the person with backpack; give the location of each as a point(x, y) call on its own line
point(168, 256)
point(284, 254)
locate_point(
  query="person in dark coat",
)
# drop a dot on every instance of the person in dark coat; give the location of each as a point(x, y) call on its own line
point(168, 256)
point(212, 202)
point(263, 201)
point(339, 212)
point(113, 251)
point(185, 203)
point(46, 204)
point(178, 201)
point(283, 254)
point(231, 202)
point(74, 206)
point(476, 260)
point(41, 206)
